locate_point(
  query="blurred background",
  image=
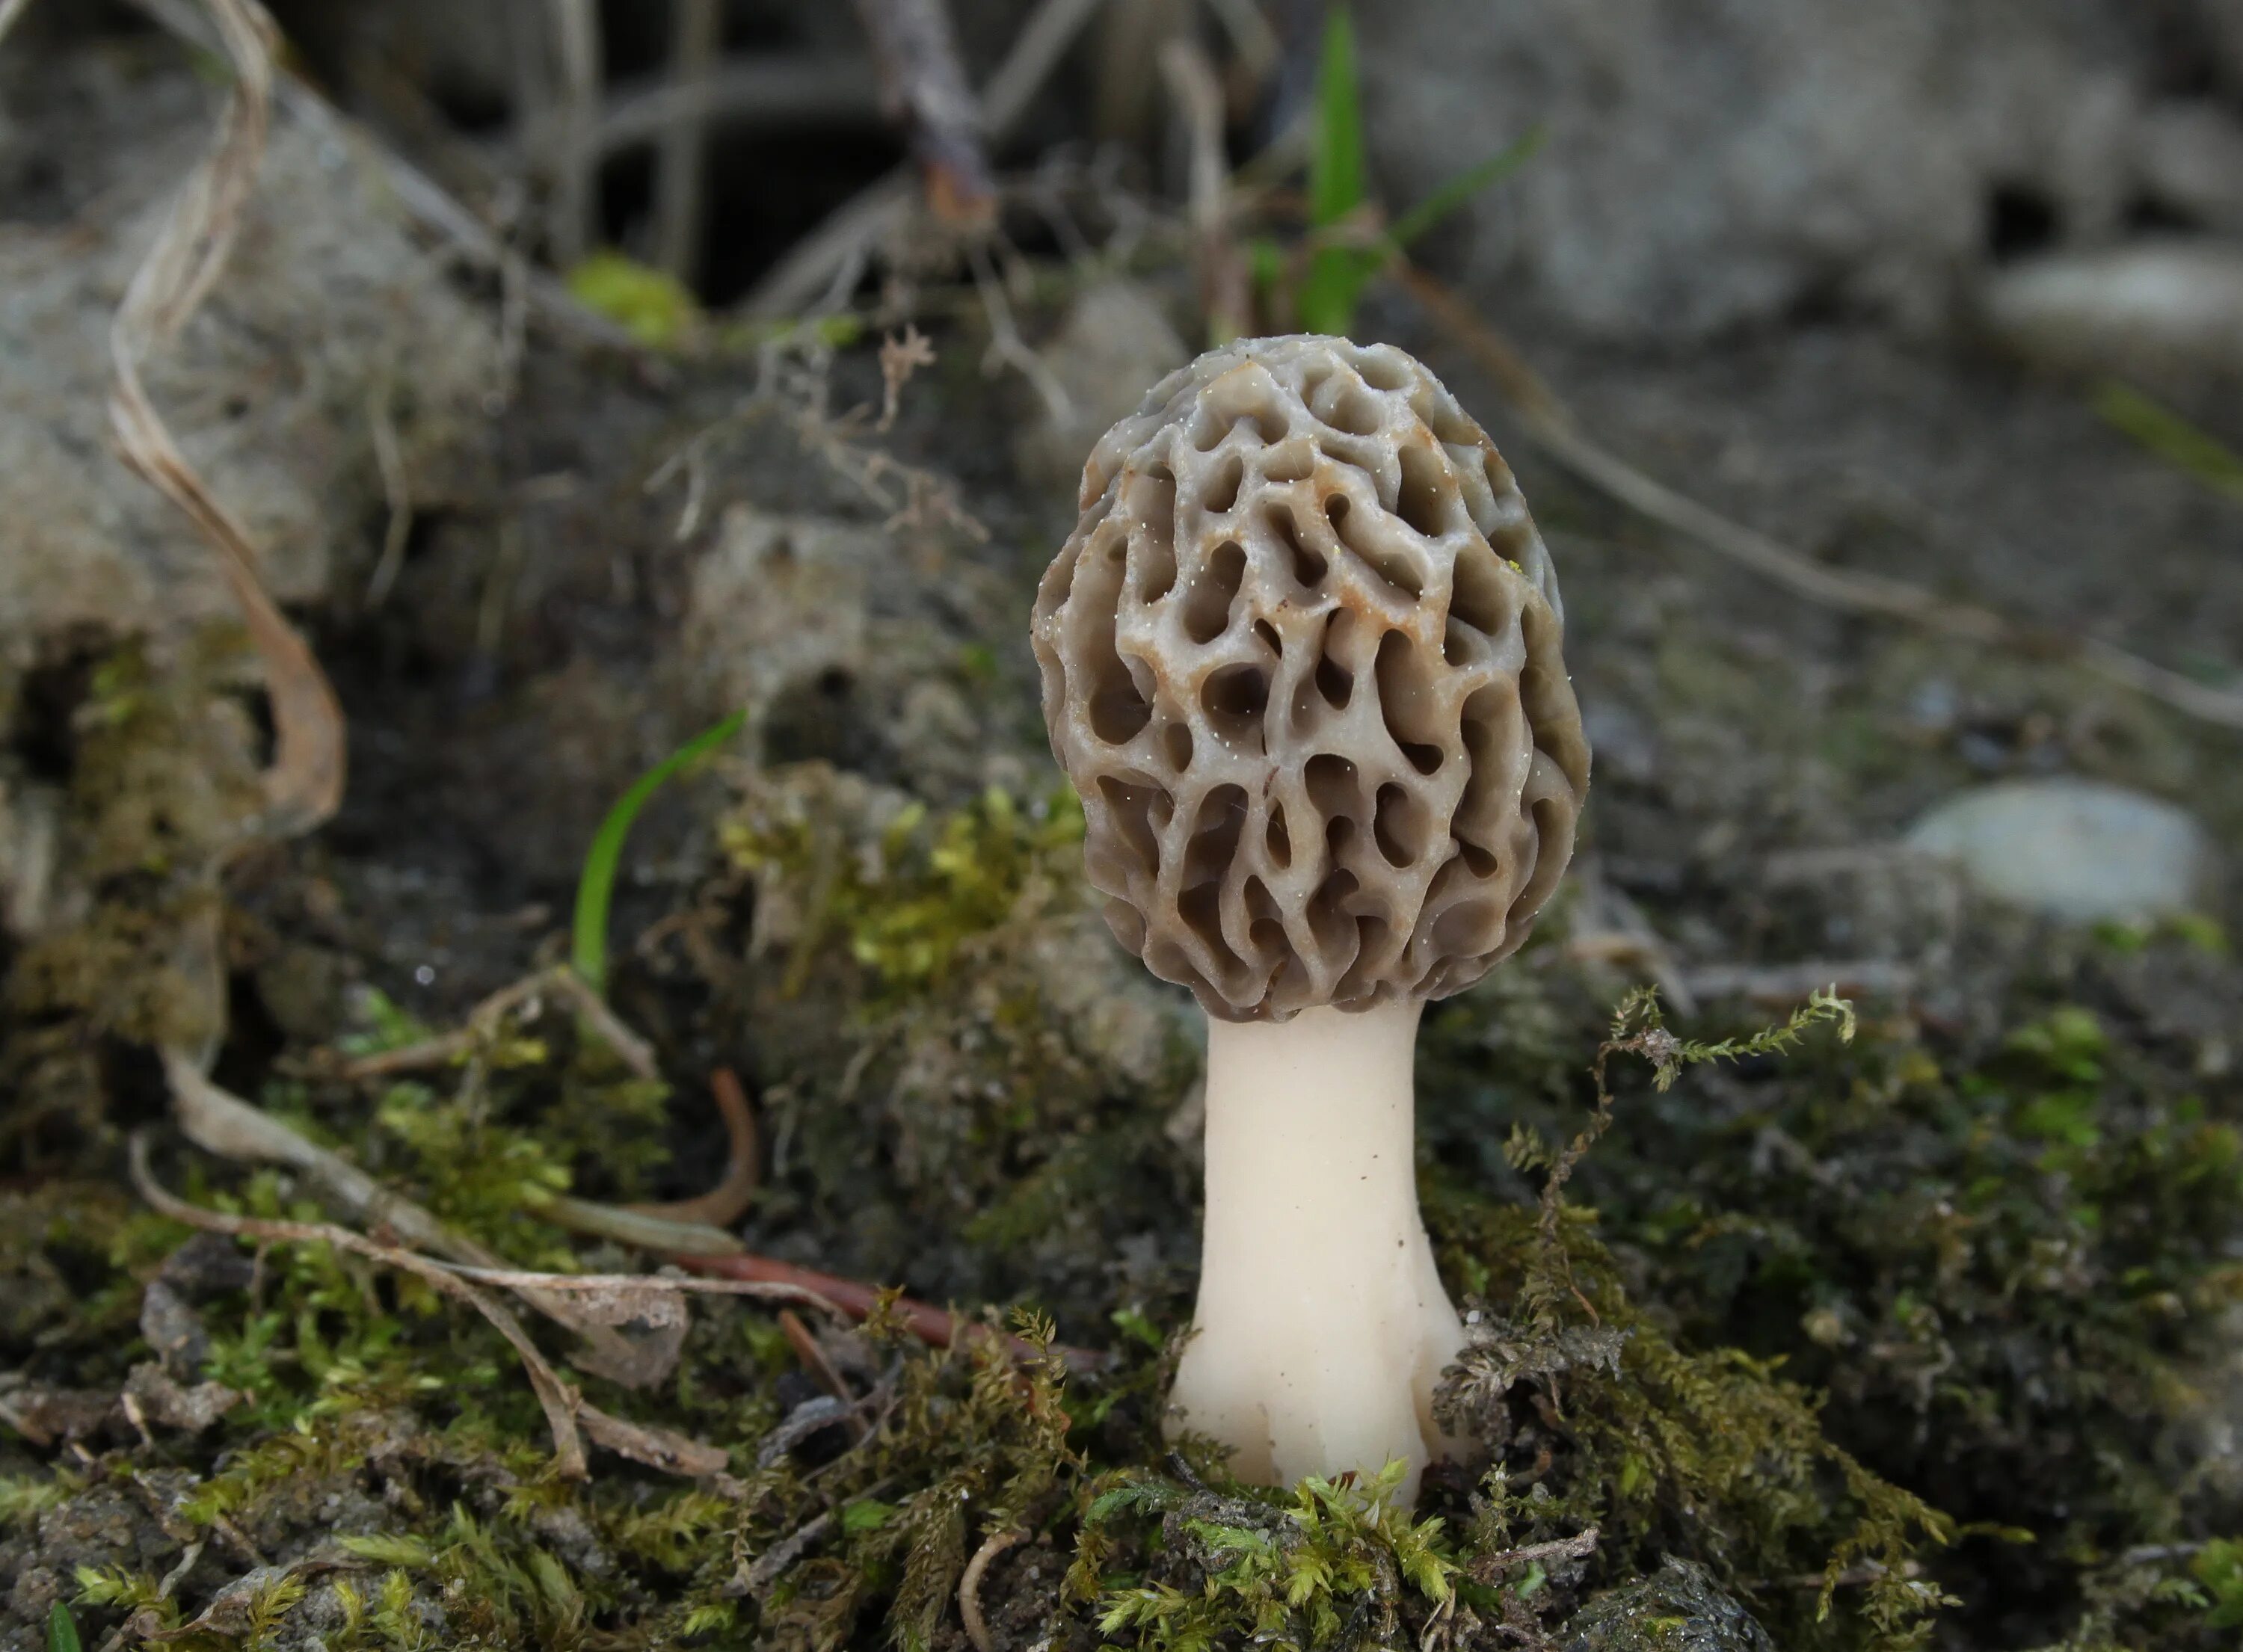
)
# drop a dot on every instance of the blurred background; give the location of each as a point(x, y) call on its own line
point(581, 373)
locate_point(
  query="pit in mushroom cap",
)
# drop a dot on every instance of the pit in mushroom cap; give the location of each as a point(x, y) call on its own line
point(1300, 659)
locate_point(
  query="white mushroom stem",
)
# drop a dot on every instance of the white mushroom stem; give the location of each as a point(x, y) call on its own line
point(1322, 1326)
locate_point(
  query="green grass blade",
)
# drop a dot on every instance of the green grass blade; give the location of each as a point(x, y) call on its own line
point(2171, 438)
point(596, 886)
point(1339, 181)
point(1465, 185)
point(61, 1632)
point(1338, 172)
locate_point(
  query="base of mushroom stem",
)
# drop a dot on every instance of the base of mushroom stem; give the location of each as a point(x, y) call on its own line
point(1322, 1328)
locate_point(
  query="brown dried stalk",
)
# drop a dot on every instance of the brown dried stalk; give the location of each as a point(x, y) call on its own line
point(304, 786)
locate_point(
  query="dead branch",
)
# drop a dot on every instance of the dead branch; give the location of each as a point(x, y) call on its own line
point(1551, 427)
point(880, 210)
point(969, 1587)
point(1488, 1567)
point(923, 87)
point(304, 786)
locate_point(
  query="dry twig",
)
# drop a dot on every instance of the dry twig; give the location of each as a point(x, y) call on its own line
point(1488, 1567)
point(814, 1360)
point(576, 31)
point(877, 212)
point(221, 1123)
point(923, 86)
point(1551, 427)
point(612, 1299)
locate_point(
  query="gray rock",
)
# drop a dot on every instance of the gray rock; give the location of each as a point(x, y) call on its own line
point(2190, 156)
point(328, 304)
point(1712, 163)
point(2072, 848)
point(2171, 311)
point(1677, 1609)
point(844, 641)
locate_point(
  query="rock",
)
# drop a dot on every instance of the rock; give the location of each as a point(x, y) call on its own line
point(1114, 344)
point(1677, 1609)
point(845, 643)
point(2073, 850)
point(1715, 163)
point(2190, 157)
point(327, 306)
point(2171, 311)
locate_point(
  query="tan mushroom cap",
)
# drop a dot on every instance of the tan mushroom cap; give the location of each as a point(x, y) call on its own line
point(1300, 659)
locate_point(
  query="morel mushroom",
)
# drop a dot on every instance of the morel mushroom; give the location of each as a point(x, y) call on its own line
point(1300, 658)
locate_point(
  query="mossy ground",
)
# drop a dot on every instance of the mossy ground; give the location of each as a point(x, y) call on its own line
point(1947, 1311)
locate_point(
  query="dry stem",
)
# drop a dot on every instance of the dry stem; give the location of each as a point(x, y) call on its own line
point(969, 1587)
point(304, 787)
point(682, 206)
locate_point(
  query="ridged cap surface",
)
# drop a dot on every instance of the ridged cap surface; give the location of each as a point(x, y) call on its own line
point(1301, 657)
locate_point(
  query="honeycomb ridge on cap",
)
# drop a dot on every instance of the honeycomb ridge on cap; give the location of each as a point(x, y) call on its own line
point(1301, 657)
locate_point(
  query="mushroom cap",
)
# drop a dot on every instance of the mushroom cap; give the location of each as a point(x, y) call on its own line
point(1300, 659)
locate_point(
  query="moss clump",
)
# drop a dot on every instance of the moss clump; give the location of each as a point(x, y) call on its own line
point(2006, 1256)
point(162, 781)
point(965, 1084)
